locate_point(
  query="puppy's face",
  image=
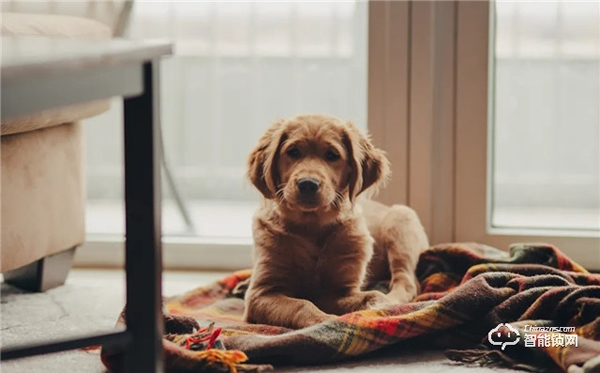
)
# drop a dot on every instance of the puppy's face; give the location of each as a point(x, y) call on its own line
point(315, 162)
point(312, 168)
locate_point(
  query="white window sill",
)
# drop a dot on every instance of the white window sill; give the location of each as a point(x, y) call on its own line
point(221, 239)
point(186, 253)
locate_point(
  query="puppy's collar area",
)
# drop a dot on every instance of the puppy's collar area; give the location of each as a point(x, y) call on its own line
point(313, 222)
point(318, 217)
point(319, 234)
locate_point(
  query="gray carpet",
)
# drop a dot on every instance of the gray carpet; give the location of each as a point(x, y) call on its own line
point(91, 301)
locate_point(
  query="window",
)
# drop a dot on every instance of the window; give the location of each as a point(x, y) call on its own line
point(488, 111)
point(237, 67)
point(527, 125)
point(545, 118)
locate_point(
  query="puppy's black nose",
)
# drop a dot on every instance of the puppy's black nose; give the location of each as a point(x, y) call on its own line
point(308, 186)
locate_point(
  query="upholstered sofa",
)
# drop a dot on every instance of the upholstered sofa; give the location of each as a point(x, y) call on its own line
point(42, 171)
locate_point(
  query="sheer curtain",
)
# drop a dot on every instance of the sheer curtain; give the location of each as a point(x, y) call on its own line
point(546, 116)
point(238, 66)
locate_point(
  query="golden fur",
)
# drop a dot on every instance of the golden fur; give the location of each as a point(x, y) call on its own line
point(315, 243)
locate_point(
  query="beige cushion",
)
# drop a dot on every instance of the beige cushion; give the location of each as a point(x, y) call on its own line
point(108, 12)
point(43, 194)
point(53, 25)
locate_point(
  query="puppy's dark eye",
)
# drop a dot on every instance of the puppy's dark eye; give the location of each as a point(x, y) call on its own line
point(293, 153)
point(331, 156)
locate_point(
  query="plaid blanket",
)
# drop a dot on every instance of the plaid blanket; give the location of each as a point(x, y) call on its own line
point(532, 309)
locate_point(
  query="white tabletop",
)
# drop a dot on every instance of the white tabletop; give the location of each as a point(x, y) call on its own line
point(39, 73)
point(31, 55)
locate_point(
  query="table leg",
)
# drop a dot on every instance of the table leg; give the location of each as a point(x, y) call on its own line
point(143, 246)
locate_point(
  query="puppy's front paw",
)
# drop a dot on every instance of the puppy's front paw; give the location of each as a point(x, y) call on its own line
point(314, 320)
point(403, 295)
point(376, 300)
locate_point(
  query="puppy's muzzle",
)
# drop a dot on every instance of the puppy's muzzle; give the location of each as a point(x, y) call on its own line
point(308, 187)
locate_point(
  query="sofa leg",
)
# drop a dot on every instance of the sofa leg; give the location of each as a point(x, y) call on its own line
point(47, 273)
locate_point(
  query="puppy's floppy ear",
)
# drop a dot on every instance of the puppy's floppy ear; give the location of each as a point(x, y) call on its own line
point(262, 161)
point(369, 167)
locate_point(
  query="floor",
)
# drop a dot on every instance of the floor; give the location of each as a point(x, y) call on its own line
point(91, 300)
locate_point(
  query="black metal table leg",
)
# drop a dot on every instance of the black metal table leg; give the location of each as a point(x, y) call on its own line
point(143, 227)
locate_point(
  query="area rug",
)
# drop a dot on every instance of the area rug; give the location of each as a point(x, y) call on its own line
point(531, 308)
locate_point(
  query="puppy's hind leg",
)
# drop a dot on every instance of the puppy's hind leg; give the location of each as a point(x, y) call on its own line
point(404, 239)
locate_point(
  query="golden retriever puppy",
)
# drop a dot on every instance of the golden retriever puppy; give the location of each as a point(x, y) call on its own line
point(315, 243)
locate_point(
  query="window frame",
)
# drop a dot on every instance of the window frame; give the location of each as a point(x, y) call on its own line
point(179, 253)
point(411, 106)
point(474, 85)
point(436, 128)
